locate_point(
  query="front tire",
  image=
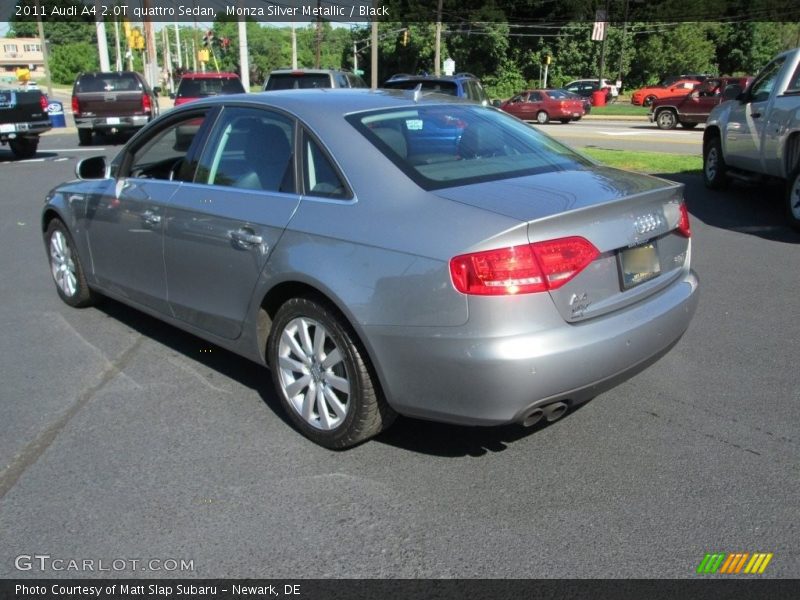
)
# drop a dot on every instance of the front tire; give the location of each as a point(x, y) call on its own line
point(322, 376)
point(666, 119)
point(24, 148)
point(542, 118)
point(793, 199)
point(66, 267)
point(714, 169)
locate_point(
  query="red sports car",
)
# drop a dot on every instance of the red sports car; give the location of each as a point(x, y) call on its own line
point(543, 105)
point(645, 96)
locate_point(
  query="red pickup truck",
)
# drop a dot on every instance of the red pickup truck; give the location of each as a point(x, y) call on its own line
point(693, 108)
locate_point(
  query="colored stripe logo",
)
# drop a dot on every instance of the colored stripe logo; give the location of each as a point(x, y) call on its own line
point(734, 563)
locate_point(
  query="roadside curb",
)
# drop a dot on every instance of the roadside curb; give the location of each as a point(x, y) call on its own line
point(591, 117)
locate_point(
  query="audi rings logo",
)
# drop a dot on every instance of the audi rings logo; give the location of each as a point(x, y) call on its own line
point(648, 223)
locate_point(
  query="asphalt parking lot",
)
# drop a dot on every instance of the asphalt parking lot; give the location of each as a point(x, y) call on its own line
point(122, 438)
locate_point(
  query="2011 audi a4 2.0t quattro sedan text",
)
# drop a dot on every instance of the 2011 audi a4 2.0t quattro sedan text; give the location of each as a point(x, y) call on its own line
point(486, 276)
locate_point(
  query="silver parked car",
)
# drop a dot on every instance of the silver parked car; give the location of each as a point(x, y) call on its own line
point(383, 253)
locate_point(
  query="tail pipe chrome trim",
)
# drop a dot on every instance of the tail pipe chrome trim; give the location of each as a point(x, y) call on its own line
point(550, 412)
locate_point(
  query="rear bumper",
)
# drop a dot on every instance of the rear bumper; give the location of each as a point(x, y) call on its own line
point(9, 131)
point(459, 376)
point(108, 123)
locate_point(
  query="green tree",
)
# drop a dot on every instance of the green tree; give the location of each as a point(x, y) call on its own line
point(67, 60)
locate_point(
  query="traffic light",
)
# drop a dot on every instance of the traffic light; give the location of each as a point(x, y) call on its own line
point(405, 37)
point(209, 39)
point(547, 59)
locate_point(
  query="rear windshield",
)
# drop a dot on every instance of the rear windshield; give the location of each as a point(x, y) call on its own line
point(201, 88)
point(107, 82)
point(294, 81)
point(441, 146)
point(440, 87)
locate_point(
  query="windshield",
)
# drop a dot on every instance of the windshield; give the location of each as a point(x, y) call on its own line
point(202, 87)
point(442, 146)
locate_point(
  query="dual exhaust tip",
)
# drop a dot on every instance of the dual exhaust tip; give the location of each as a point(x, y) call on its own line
point(550, 412)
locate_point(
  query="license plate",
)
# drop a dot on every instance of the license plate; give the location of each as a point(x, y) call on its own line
point(639, 264)
point(112, 120)
point(7, 128)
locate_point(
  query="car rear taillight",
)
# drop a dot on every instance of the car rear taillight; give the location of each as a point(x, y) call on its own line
point(684, 227)
point(147, 106)
point(525, 269)
point(43, 102)
point(76, 106)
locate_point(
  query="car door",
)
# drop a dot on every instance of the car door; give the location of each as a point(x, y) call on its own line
point(222, 227)
point(744, 131)
point(125, 224)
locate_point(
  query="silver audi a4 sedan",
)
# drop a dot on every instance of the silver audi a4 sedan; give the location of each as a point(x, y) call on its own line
point(383, 253)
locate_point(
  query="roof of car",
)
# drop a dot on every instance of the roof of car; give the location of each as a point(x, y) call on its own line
point(404, 77)
point(209, 75)
point(313, 105)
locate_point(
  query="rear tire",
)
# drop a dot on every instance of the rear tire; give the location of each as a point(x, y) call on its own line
point(66, 267)
point(793, 199)
point(542, 118)
point(714, 169)
point(24, 148)
point(85, 137)
point(322, 376)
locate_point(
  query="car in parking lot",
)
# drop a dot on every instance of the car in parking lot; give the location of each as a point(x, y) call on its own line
point(646, 95)
point(300, 79)
point(194, 86)
point(500, 279)
point(112, 102)
point(693, 108)
point(586, 87)
point(543, 106)
point(463, 85)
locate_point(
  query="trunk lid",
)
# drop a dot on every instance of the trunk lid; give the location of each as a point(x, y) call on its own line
point(630, 218)
point(21, 106)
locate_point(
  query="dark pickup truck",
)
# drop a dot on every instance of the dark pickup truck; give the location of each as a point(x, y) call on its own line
point(23, 116)
point(112, 102)
point(690, 109)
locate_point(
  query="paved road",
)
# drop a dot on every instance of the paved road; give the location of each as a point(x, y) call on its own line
point(627, 135)
point(122, 438)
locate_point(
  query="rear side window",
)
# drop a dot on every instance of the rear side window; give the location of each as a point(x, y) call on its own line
point(295, 81)
point(107, 82)
point(202, 88)
point(320, 177)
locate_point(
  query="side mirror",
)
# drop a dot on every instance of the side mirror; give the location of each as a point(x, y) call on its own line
point(91, 168)
point(496, 103)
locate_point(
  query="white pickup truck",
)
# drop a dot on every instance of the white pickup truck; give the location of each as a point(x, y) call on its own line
point(757, 135)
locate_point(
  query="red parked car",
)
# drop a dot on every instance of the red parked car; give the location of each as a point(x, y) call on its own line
point(543, 105)
point(194, 86)
point(690, 109)
point(645, 96)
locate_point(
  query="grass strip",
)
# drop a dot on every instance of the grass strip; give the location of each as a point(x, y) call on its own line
point(646, 162)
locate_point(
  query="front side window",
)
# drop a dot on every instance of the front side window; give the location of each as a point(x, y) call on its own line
point(442, 146)
point(762, 86)
point(250, 149)
point(164, 154)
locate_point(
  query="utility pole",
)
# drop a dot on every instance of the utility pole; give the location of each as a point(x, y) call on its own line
point(118, 61)
point(167, 57)
point(151, 65)
point(102, 42)
point(178, 46)
point(45, 53)
point(374, 55)
point(622, 47)
point(294, 48)
point(244, 62)
point(319, 36)
point(437, 56)
point(355, 59)
point(603, 47)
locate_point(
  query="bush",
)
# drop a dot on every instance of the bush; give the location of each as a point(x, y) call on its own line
point(67, 60)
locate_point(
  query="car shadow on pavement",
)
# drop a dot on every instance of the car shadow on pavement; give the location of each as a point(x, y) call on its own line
point(415, 435)
point(6, 156)
point(753, 209)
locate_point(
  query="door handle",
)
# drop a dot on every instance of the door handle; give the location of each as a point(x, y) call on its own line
point(246, 237)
